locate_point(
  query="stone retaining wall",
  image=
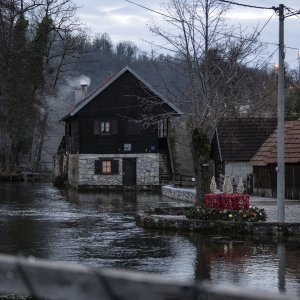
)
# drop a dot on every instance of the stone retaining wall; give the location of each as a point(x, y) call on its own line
point(187, 195)
point(81, 170)
point(181, 223)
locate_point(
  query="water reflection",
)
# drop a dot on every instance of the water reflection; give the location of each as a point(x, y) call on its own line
point(99, 229)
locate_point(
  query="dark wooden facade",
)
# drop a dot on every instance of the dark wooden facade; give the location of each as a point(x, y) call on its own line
point(106, 121)
point(265, 161)
point(265, 180)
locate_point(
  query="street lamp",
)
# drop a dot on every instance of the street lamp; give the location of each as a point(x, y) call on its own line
point(276, 69)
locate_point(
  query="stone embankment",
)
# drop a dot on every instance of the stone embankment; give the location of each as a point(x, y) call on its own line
point(187, 195)
point(175, 219)
point(181, 223)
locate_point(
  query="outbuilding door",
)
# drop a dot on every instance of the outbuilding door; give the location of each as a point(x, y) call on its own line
point(129, 171)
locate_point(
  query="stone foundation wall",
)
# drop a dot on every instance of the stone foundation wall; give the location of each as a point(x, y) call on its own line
point(188, 195)
point(81, 171)
point(181, 223)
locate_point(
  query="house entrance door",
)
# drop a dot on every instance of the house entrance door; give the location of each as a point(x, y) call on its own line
point(129, 171)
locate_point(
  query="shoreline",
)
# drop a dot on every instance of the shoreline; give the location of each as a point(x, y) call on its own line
point(168, 220)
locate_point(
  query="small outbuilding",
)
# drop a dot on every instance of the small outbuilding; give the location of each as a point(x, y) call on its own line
point(265, 161)
point(235, 142)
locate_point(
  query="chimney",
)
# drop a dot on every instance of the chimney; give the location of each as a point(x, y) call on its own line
point(80, 92)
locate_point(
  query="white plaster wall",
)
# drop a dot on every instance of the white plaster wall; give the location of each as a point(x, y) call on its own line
point(238, 169)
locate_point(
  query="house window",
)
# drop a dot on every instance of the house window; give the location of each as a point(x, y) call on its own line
point(105, 127)
point(106, 167)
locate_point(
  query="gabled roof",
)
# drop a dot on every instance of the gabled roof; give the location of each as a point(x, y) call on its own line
point(240, 138)
point(107, 83)
point(267, 154)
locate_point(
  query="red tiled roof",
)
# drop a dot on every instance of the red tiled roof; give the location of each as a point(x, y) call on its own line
point(267, 153)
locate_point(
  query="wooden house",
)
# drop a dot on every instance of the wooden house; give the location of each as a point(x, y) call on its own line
point(265, 161)
point(117, 135)
point(235, 142)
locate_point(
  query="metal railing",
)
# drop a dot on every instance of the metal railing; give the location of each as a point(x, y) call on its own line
point(42, 279)
point(183, 181)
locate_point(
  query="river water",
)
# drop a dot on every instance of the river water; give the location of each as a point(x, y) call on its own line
point(98, 229)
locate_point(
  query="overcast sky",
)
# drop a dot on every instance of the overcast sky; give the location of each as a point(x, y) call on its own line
point(125, 21)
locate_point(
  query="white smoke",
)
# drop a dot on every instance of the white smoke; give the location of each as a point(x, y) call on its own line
point(76, 82)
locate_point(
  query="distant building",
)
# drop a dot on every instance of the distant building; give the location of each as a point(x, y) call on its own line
point(235, 141)
point(116, 136)
point(265, 161)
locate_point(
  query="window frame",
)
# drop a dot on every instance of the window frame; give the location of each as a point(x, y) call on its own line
point(106, 127)
point(106, 166)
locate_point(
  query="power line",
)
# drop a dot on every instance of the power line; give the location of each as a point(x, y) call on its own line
point(246, 5)
point(268, 58)
point(229, 35)
point(266, 24)
point(150, 9)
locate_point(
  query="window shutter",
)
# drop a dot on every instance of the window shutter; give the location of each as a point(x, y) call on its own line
point(133, 127)
point(96, 127)
point(98, 167)
point(114, 127)
point(115, 166)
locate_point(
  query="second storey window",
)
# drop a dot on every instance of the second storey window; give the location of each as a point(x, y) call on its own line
point(105, 127)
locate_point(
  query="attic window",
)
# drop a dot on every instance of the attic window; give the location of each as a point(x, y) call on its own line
point(105, 127)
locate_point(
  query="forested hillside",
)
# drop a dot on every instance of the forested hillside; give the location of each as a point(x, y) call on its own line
point(45, 53)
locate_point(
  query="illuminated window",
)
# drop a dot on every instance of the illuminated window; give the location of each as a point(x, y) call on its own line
point(106, 167)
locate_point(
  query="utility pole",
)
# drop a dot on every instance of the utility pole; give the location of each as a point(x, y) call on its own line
point(298, 68)
point(280, 123)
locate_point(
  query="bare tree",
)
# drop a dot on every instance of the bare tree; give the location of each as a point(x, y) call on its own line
point(57, 43)
point(39, 44)
point(212, 60)
point(293, 94)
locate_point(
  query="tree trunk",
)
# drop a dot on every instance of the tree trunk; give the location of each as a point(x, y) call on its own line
point(201, 154)
point(41, 141)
